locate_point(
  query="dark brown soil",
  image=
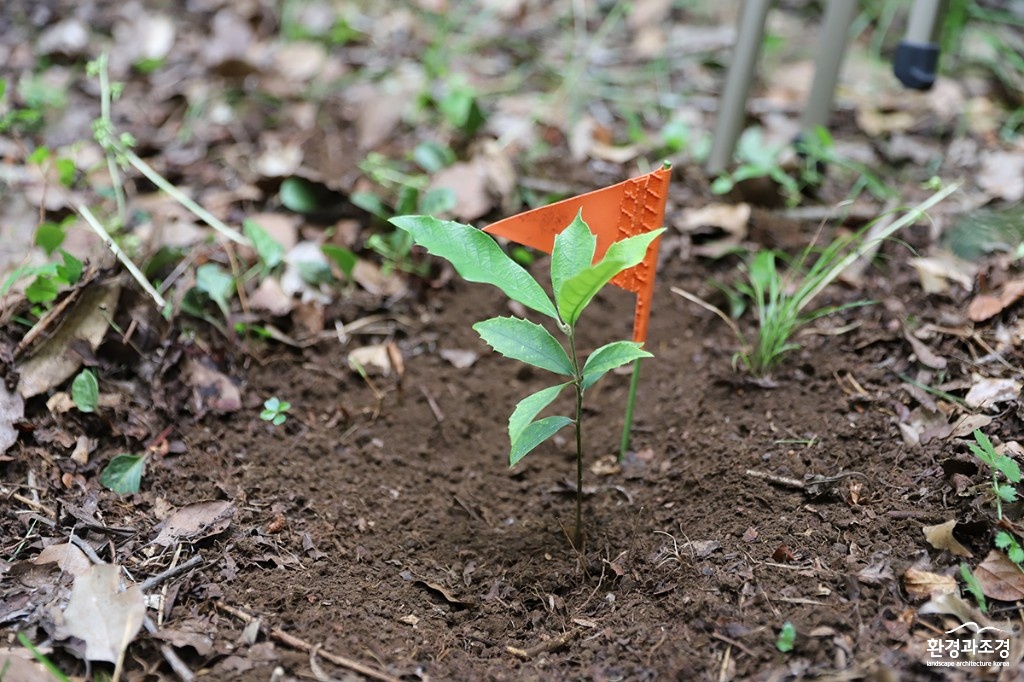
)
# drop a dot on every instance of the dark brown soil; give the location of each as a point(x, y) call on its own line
point(409, 545)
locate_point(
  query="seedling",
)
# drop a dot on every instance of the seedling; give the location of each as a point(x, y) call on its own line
point(999, 464)
point(275, 411)
point(973, 586)
point(575, 279)
point(786, 638)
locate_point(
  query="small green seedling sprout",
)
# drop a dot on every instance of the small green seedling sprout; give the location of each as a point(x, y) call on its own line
point(275, 411)
point(973, 586)
point(787, 638)
point(576, 279)
point(999, 464)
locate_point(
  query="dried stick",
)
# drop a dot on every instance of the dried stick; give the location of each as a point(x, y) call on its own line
point(174, 571)
point(304, 646)
point(544, 647)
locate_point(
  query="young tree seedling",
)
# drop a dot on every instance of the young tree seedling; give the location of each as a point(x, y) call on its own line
point(575, 279)
point(275, 411)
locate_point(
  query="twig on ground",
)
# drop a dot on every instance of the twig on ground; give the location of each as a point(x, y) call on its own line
point(784, 481)
point(302, 645)
point(35, 505)
point(172, 572)
point(177, 665)
point(87, 548)
point(544, 647)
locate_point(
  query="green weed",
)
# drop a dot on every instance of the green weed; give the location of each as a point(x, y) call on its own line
point(782, 299)
point(275, 411)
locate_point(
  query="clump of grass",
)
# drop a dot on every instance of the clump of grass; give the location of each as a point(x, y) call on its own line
point(782, 299)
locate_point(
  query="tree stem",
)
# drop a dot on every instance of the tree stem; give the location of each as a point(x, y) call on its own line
point(578, 385)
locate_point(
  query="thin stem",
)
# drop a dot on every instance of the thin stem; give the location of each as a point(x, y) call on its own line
point(184, 199)
point(97, 227)
point(630, 404)
point(115, 174)
point(578, 385)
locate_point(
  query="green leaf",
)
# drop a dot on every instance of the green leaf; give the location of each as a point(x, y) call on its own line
point(270, 252)
point(535, 434)
point(579, 290)
point(123, 474)
point(973, 586)
point(787, 638)
point(49, 237)
point(71, 270)
point(528, 408)
point(369, 202)
point(608, 357)
point(1008, 467)
point(527, 342)
point(215, 283)
point(432, 157)
point(573, 253)
point(65, 171)
point(43, 289)
point(85, 391)
point(437, 200)
point(342, 257)
point(477, 258)
point(298, 195)
point(38, 155)
point(1007, 493)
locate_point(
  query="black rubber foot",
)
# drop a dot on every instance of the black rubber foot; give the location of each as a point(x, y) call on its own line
point(915, 64)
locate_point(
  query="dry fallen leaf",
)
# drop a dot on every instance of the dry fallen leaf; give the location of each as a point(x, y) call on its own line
point(990, 392)
point(989, 305)
point(103, 615)
point(927, 584)
point(1002, 175)
point(468, 181)
point(69, 557)
point(1000, 578)
point(53, 362)
point(937, 271)
point(375, 359)
point(460, 359)
point(211, 389)
point(195, 521)
point(709, 222)
point(941, 537)
point(12, 409)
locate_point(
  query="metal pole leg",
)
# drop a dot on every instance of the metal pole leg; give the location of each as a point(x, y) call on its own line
point(732, 108)
point(839, 15)
point(918, 53)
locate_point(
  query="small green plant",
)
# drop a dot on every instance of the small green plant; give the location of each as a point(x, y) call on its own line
point(998, 463)
point(48, 280)
point(787, 638)
point(1002, 491)
point(781, 299)
point(575, 279)
point(973, 586)
point(410, 183)
point(275, 411)
point(123, 473)
point(757, 160)
point(85, 391)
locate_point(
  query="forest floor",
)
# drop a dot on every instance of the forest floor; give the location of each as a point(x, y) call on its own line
point(377, 532)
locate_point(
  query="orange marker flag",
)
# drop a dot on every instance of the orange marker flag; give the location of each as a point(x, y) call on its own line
point(613, 213)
